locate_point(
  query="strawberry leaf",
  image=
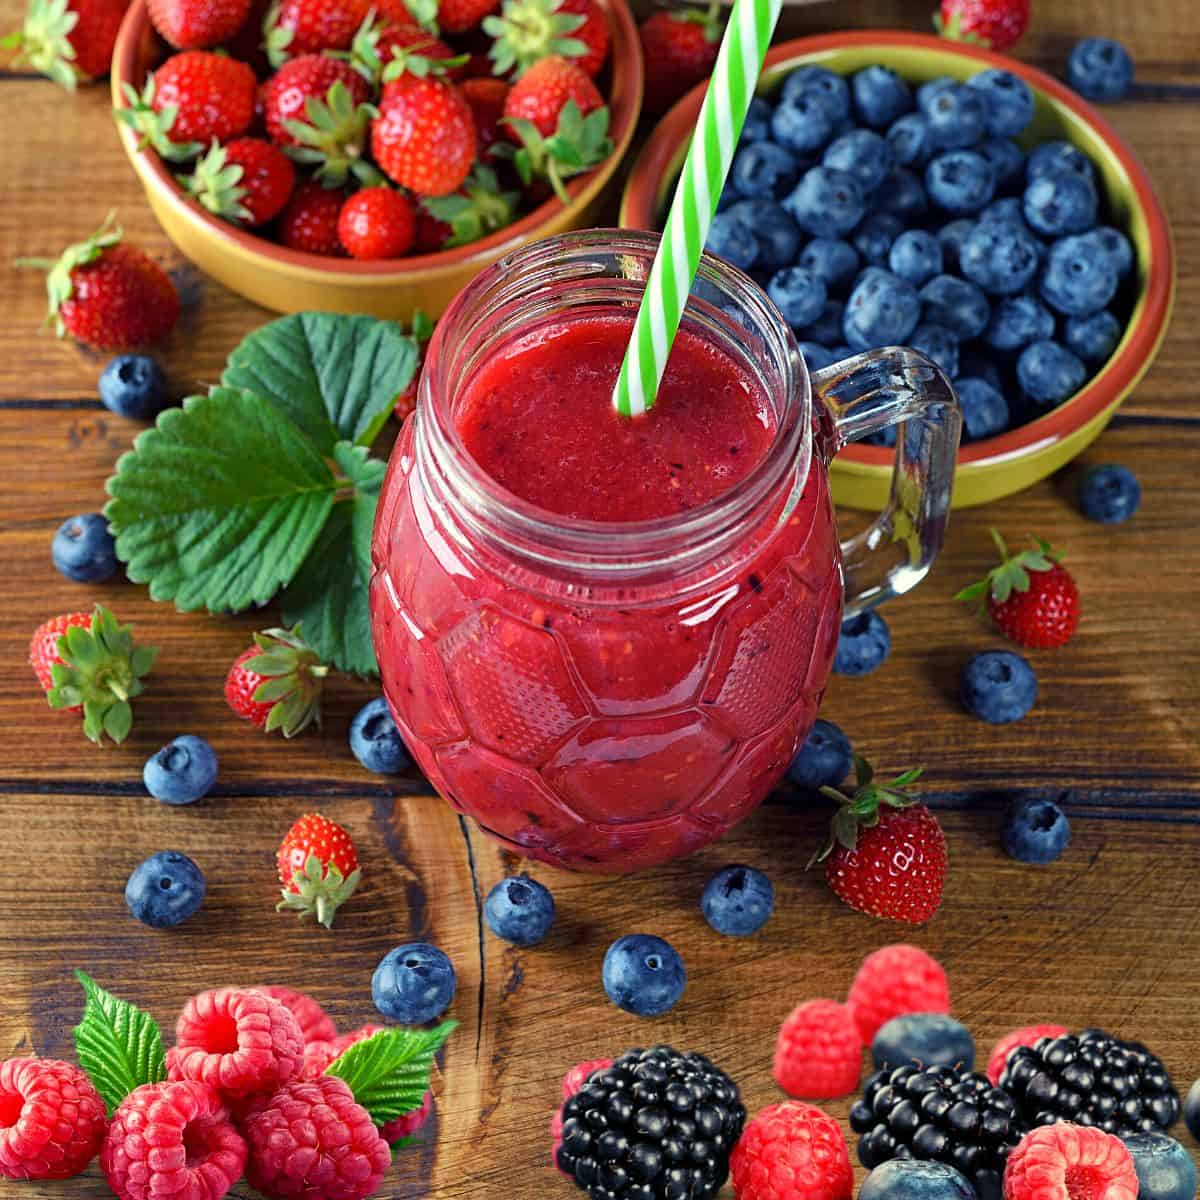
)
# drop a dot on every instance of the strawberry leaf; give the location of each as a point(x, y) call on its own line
point(119, 1046)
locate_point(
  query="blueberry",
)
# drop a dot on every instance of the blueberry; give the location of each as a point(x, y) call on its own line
point(874, 237)
point(998, 687)
point(1114, 245)
point(880, 96)
point(915, 1179)
point(732, 238)
point(519, 910)
point(916, 256)
point(863, 154)
point(999, 257)
point(757, 126)
point(1049, 373)
point(1008, 101)
point(413, 983)
point(927, 93)
point(776, 233)
point(984, 408)
point(827, 328)
point(801, 123)
point(956, 303)
point(133, 385)
point(764, 169)
point(643, 975)
point(882, 311)
point(1164, 1168)
point(974, 366)
point(822, 84)
point(1007, 210)
point(841, 352)
point(375, 740)
point(1036, 830)
point(1007, 159)
point(1051, 157)
point(951, 237)
point(1100, 69)
point(1060, 202)
point(738, 901)
point(1093, 338)
point(1191, 1110)
point(826, 202)
point(957, 117)
point(83, 549)
point(825, 758)
point(165, 889)
point(960, 181)
point(911, 140)
point(834, 260)
point(816, 357)
point(863, 646)
point(928, 1039)
point(1109, 494)
point(901, 193)
point(182, 771)
point(1078, 281)
point(798, 294)
point(1016, 321)
point(938, 343)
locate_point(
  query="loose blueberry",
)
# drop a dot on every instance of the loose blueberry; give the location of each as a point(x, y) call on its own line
point(165, 889)
point(1050, 157)
point(1008, 101)
point(413, 983)
point(957, 117)
point(1191, 1110)
point(798, 294)
point(643, 974)
point(519, 910)
point(911, 140)
point(1007, 159)
point(1100, 69)
point(83, 549)
point(1093, 338)
point(825, 758)
point(1114, 245)
point(916, 256)
point(984, 408)
point(834, 260)
point(1049, 373)
point(927, 1039)
point(901, 194)
point(816, 356)
point(863, 154)
point(830, 89)
point(863, 645)
point(1036, 830)
point(999, 257)
point(874, 237)
point(738, 901)
point(764, 169)
point(826, 202)
point(775, 232)
point(375, 740)
point(957, 304)
point(880, 96)
point(732, 238)
point(882, 310)
point(181, 772)
point(133, 385)
point(951, 237)
point(757, 126)
point(939, 343)
point(827, 328)
point(801, 123)
point(998, 686)
point(1109, 494)
point(1061, 202)
point(1016, 321)
point(915, 1179)
point(1164, 1168)
point(960, 181)
point(1077, 281)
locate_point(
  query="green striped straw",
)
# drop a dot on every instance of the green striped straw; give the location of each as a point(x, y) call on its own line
point(739, 61)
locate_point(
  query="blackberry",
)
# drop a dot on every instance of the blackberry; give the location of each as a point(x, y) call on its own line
point(656, 1125)
point(1092, 1078)
point(940, 1113)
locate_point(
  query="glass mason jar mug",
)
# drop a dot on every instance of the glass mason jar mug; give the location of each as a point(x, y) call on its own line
point(606, 696)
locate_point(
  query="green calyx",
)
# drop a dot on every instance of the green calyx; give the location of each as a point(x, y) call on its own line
point(862, 809)
point(216, 185)
point(577, 144)
point(953, 31)
point(277, 39)
point(334, 138)
point(529, 30)
point(102, 671)
point(478, 209)
point(410, 61)
point(424, 12)
point(709, 18)
point(293, 678)
point(154, 127)
point(317, 891)
point(1012, 575)
point(44, 42)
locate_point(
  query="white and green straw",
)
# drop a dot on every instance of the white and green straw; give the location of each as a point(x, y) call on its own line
point(739, 61)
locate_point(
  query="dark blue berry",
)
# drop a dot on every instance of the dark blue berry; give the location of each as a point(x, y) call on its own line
point(1078, 281)
point(957, 117)
point(882, 310)
point(1100, 69)
point(133, 385)
point(1114, 245)
point(1049, 157)
point(957, 304)
point(902, 194)
point(181, 772)
point(413, 983)
point(827, 328)
point(999, 257)
point(1109, 494)
point(764, 169)
point(1049, 373)
point(801, 123)
point(998, 686)
point(1191, 1110)
point(1016, 321)
point(880, 96)
point(1094, 337)
point(757, 126)
point(816, 356)
point(915, 1179)
point(939, 343)
point(951, 237)
point(1008, 209)
point(927, 1039)
point(826, 202)
point(775, 232)
point(1036, 830)
point(911, 140)
point(863, 645)
point(643, 974)
point(1007, 159)
point(83, 549)
point(834, 260)
point(874, 237)
point(798, 294)
point(375, 740)
point(960, 181)
point(165, 889)
point(825, 758)
point(830, 89)
point(1008, 101)
point(974, 365)
point(1061, 202)
point(928, 92)
point(863, 154)
point(1164, 1168)
point(984, 408)
point(732, 238)
point(519, 910)
point(916, 256)
point(738, 901)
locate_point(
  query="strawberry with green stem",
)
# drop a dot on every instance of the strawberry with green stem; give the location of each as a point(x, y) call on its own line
point(247, 182)
point(680, 50)
point(333, 139)
point(526, 31)
point(69, 41)
point(294, 27)
point(992, 24)
point(480, 208)
point(318, 867)
point(378, 41)
point(277, 682)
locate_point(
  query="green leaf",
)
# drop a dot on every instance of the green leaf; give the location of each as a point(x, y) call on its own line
point(219, 505)
point(329, 597)
point(119, 1046)
point(335, 376)
point(389, 1073)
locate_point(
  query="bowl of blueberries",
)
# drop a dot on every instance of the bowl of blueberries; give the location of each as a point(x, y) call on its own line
point(894, 188)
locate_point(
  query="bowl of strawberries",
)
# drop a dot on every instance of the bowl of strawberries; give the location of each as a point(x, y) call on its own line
point(372, 155)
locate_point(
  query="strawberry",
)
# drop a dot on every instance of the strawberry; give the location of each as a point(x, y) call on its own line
point(458, 16)
point(478, 209)
point(198, 24)
point(377, 222)
point(432, 234)
point(1031, 596)
point(310, 220)
point(87, 662)
point(333, 138)
point(307, 26)
point(377, 43)
point(277, 682)
point(422, 331)
point(192, 99)
point(527, 31)
point(886, 854)
point(68, 40)
point(541, 94)
point(993, 24)
point(680, 50)
point(247, 182)
point(285, 96)
point(318, 867)
point(486, 98)
point(109, 294)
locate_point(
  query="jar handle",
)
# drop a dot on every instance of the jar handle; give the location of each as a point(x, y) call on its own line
point(872, 391)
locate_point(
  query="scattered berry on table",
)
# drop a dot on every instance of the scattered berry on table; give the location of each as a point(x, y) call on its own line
point(83, 549)
point(680, 50)
point(519, 910)
point(1008, 101)
point(316, 1025)
point(825, 758)
point(408, 1124)
point(1027, 1035)
point(1036, 830)
point(69, 41)
point(54, 1119)
point(277, 682)
point(375, 740)
point(818, 1053)
point(133, 385)
point(197, 24)
point(1094, 337)
point(914, 1179)
point(643, 974)
point(1070, 1162)
point(318, 868)
point(984, 408)
point(863, 645)
point(738, 901)
point(413, 983)
point(165, 889)
point(573, 1080)
point(895, 980)
point(788, 1143)
point(996, 24)
point(926, 1039)
point(247, 181)
point(1165, 1170)
point(998, 687)
point(309, 222)
point(1109, 494)
point(1100, 69)
point(182, 772)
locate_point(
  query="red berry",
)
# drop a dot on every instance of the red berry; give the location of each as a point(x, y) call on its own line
point(894, 981)
point(377, 222)
point(431, 236)
point(309, 223)
point(198, 24)
point(238, 1042)
point(1027, 1035)
point(1070, 1162)
point(424, 138)
point(419, 43)
point(71, 43)
point(43, 647)
point(52, 1119)
point(308, 77)
point(573, 1080)
point(213, 96)
point(290, 659)
point(593, 33)
point(316, 1025)
point(486, 98)
point(318, 867)
point(792, 1151)
point(996, 24)
point(530, 30)
point(543, 91)
point(259, 192)
point(818, 1055)
point(457, 16)
point(297, 27)
point(172, 1141)
point(408, 1124)
point(680, 51)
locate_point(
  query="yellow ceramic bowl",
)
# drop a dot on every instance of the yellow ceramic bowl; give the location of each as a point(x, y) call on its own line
point(999, 466)
point(291, 281)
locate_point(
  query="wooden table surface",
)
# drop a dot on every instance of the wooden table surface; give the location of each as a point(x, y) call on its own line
point(1108, 935)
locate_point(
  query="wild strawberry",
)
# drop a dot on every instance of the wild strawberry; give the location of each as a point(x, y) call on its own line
point(198, 24)
point(309, 222)
point(68, 40)
point(680, 51)
point(307, 26)
point(87, 663)
point(277, 682)
point(310, 77)
point(378, 222)
point(541, 94)
point(108, 293)
point(886, 854)
point(527, 31)
point(994, 24)
point(458, 16)
point(478, 209)
point(247, 182)
point(1031, 596)
point(318, 867)
point(377, 43)
point(486, 98)
point(421, 331)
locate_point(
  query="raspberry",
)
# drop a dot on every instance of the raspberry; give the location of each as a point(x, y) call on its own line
point(313, 1140)
point(316, 1025)
point(172, 1140)
point(237, 1042)
point(405, 1126)
point(52, 1119)
point(573, 1080)
point(318, 1055)
point(1070, 1162)
point(1027, 1035)
point(893, 981)
point(792, 1151)
point(818, 1055)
